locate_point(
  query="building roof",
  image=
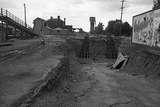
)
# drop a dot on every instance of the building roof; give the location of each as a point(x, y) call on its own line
point(54, 19)
point(59, 28)
point(39, 19)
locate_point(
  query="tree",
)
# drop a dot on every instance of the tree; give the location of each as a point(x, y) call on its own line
point(116, 27)
point(156, 4)
point(113, 27)
point(99, 28)
point(126, 29)
point(110, 27)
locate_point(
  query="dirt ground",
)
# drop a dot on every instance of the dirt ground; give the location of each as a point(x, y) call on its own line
point(96, 85)
point(91, 84)
point(20, 73)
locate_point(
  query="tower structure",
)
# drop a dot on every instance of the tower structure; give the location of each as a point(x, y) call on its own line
point(92, 24)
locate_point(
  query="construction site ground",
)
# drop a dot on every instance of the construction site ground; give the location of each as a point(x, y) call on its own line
point(23, 65)
point(87, 84)
point(96, 85)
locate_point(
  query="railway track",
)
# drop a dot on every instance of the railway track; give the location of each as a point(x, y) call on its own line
point(13, 54)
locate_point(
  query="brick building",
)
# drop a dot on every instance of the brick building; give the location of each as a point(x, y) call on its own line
point(42, 26)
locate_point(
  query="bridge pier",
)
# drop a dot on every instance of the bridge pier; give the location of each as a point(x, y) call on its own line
point(6, 31)
point(15, 32)
point(2, 32)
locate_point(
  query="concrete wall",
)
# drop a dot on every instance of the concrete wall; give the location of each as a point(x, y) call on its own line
point(2, 37)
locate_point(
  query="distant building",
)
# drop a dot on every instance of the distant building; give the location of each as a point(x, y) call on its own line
point(55, 23)
point(51, 25)
point(39, 25)
point(92, 24)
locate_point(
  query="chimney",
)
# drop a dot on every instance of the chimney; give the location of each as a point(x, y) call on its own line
point(58, 18)
point(64, 21)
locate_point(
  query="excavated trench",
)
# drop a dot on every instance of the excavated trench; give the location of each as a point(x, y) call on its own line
point(140, 62)
point(93, 49)
point(74, 50)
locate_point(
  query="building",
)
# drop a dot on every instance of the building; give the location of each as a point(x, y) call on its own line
point(39, 25)
point(50, 26)
point(55, 23)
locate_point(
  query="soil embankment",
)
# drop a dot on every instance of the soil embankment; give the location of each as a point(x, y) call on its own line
point(141, 62)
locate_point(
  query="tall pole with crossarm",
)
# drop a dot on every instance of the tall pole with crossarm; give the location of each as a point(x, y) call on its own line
point(121, 18)
point(25, 15)
point(122, 8)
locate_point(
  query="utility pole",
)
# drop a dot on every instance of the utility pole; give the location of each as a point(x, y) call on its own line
point(25, 15)
point(121, 18)
point(122, 8)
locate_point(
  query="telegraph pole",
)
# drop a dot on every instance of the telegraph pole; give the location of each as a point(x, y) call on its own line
point(122, 8)
point(121, 18)
point(25, 15)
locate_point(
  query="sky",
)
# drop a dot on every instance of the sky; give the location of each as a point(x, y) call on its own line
point(77, 12)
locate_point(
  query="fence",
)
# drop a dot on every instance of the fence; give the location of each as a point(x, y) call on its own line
point(6, 13)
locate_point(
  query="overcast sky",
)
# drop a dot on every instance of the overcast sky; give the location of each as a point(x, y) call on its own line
point(77, 12)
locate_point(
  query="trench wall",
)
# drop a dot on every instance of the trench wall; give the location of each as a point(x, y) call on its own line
point(143, 63)
point(98, 48)
point(140, 62)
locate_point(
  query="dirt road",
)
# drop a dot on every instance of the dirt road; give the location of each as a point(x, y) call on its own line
point(96, 85)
